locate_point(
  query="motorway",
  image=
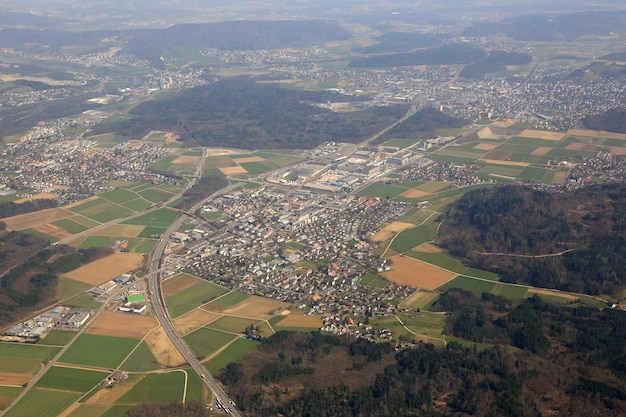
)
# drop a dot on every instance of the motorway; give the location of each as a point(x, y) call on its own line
point(221, 399)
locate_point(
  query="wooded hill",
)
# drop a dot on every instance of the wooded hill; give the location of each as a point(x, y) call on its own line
point(612, 121)
point(29, 272)
point(299, 374)
point(243, 113)
point(572, 241)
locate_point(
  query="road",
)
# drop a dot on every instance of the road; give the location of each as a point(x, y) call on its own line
point(158, 305)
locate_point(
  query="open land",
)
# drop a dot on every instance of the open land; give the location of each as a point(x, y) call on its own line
point(417, 274)
point(301, 321)
point(116, 324)
point(52, 230)
point(107, 268)
point(390, 230)
point(124, 230)
point(163, 349)
point(30, 220)
point(414, 194)
point(191, 321)
point(233, 170)
point(257, 307)
point(542, 134)
point(178, 283)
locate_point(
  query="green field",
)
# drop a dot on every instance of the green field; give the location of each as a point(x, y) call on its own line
point(232, 298)
point(220, 161)
point(258, 167)
point(401, 143)
point(23, 358)
point(84, 301)
point(71, 226)
point(57, 338)
point(101, 210)
point(196, 387)
point(510, 291)
point(442, 157)
point(236, 350)
point(141, 360)
point(43, 403)
point(148, 232)
point(100, 351)
point(372, 280)
point(230, 324)
point(475, 285)
point(137, 204)
point(9, 392)
point(192, 297)
point(163, 164)
point(69, 288)
point(445, 261)
point(155, 195)
point(162, 217)
point(410, 238)
point(71, 379)
point(203, 342)
point(381, 190)
point(40, 234)
point(118, 196)
point(167, 387)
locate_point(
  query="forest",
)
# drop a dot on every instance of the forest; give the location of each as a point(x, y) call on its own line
point(203, 188)
point(8, 209)
point(612, 121)
point(572, 241)
point(422, 125)
point(497, 61)
point(441, 55)
point(30, 270)
point(243, 113)
point(559, 365)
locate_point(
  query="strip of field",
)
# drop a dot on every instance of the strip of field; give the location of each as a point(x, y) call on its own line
point(166, 387)
point(248, 159)
point(596, 133)
point(112, 394)
point(141, 360)
point(193, 320)
point(100, 351)
point(258, 307)
point(552, 293)
point(540, 151)
point(123, 230)
point(162, 217)
point(235, 351)
point(37, 196)
point(420, 299)
point(14, 380)
point(313, 322)
point(512, 163)
point(70, 379)
point(18, 358)
point(475, 285)
point(109, 323)
point(107, 268)
point(186, 160)
point(178, 283)
point(43, 402)
point(7, 395)
point(414, 194)
point(541, 134)
point(188, 299)
point(204, 342)
point(29, 220)
point(163, 349)
point(484, 146)
point(417, 274)
point(231, 324)
point(390, 230)
point(52, 230)
point(233, 170)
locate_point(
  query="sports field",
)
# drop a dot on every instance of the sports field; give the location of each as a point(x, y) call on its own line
point(417, 274)
point(107, 268)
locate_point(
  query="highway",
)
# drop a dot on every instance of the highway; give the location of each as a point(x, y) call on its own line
point(220, 397)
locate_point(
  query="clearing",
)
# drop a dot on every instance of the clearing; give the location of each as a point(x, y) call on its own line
point(107, 268)
point(109, 323)
point(417, 274)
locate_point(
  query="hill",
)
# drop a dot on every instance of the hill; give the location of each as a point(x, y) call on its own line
point(613, 121)
point(552, 27)
point(243, 113)
point(572, 241)
point(442, 55)
point(296, 374)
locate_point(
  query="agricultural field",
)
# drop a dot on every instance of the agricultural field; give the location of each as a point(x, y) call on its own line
point(43, 402)
point(417, 274)
point(205, 342)
point(63, 378)
point(68, 288)
point(141, 360)
point(166, 354)
point(193, 320)
point(7, 394)
point(105, 269)
point(99, 351)
point(109, 323)
point(236, 350)
point(296, 322)
point(166, 387)
point(191, 294)
point(252, 307)
point(162, 217)
point(475, 285)
point(101, 210)
point(253, 163)
point(38, 218)
point(19, 362)
point(373, 280)
point(234, 325)
point(57, 338)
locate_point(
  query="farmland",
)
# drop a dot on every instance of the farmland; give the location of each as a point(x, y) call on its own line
point(70, 379)
point(204, 342)
point(186, 300)
point(414, 273)
point(105, 269)
point(99, 351)
point(157, 387)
